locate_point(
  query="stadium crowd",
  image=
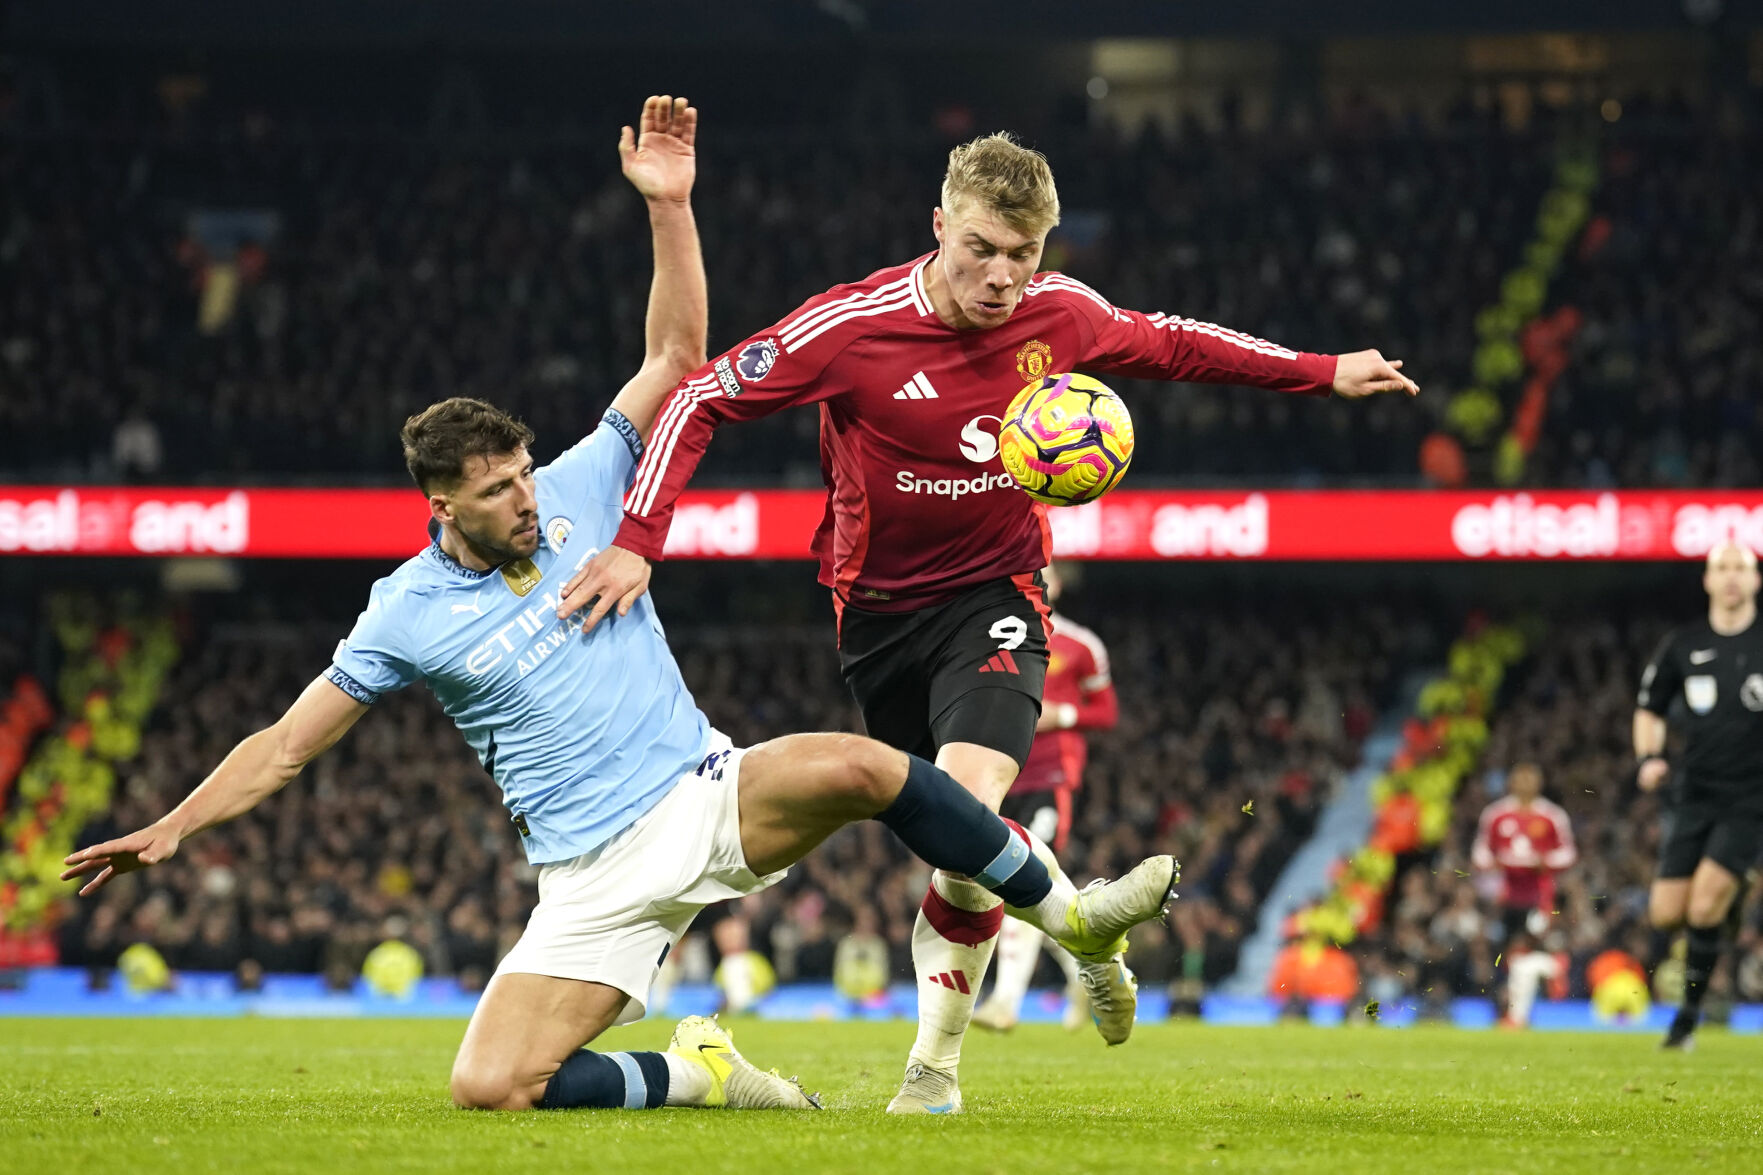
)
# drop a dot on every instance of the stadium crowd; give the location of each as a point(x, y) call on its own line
point(229, 299)
point(1568, 709)
point(1233, 731)
point(232, 300)
point(1664, 380)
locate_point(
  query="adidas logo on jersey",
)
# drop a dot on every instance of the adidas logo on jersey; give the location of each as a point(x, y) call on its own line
point(917, 388)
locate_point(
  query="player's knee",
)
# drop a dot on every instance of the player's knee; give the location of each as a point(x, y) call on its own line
point(1665, 918)
point(1705, 912)
point(1665, 910)
point(485, 1089)
point(869, 776)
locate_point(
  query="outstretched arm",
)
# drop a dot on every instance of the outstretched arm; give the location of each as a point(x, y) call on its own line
point(256, 769)
point(1157, 346)
point(659, 159)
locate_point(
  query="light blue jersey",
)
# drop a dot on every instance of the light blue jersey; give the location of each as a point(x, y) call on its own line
point(582, 734)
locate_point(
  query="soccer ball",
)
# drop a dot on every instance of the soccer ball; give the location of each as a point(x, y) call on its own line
point(1066, 439)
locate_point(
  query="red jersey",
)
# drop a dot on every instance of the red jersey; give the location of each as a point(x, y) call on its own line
point(1529, 845)
point(1078, 687)
point(919, 506)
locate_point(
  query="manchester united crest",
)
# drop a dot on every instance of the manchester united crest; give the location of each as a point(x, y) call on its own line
point(1034, 360)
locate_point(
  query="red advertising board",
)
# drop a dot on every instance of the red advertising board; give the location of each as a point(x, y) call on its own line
point(777, 524)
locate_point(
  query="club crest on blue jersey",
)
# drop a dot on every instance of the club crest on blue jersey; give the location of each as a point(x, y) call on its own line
point(557, 531)
point(756, 360)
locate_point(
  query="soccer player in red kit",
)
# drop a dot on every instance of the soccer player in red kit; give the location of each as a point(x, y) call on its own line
point(932, 554)
point(1079, 698)
point(1529, 840)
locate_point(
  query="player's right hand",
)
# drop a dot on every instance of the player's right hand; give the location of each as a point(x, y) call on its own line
point(125, 854)
point(614, 576)
point(1652, 773)
point(1366, 373)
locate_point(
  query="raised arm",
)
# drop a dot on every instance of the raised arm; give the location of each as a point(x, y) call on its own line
point(1157, 346)
point(659, 159)
point(257, 768)
point(763, 374)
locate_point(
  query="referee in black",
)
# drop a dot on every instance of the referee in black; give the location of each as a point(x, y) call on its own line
point(1713, 671)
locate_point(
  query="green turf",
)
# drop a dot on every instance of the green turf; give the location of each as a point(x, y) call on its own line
point(289, 1095)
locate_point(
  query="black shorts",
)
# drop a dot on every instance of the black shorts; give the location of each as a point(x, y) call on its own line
point(1698, 829)
point(1517, 919)
point(967, 671)
point(1045, 813)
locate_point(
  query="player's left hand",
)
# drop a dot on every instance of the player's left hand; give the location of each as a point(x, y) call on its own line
point(613, 577)
point(1056, 716)
point(1366, 373)
point(660, 158)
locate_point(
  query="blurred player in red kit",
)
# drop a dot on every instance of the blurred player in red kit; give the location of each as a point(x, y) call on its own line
point(1079, 698)
point(931, 552)
point(1528, 840)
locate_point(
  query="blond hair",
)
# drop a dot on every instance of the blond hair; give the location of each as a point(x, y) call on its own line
point(1006, 178)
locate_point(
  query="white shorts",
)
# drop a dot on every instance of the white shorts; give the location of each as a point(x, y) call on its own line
point(611, 916)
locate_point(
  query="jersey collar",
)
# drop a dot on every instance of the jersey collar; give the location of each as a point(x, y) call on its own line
point(921, 298)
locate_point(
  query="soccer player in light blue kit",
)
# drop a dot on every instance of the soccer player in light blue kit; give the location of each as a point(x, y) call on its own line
point(636, 811)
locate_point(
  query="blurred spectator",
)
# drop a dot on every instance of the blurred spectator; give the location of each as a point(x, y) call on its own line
point(860, 962)
point(744, 976)
point(1308, 969)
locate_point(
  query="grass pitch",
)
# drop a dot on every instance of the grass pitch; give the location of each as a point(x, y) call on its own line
point(290, 1095)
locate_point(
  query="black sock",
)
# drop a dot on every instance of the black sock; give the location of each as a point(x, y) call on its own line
point(950, 829)
point(1698, 967)
point(1734, 922)
point(1659, 947)
point(609, 1081)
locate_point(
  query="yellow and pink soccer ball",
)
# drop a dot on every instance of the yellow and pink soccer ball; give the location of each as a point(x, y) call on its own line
point(1066, 439)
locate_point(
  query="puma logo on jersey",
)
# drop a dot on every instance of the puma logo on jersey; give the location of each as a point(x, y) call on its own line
point(1701, 656)
point(474, 608)
point(917, 388)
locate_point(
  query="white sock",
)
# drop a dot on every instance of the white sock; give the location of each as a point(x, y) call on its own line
point(1066, 960)
point(687, 1084)
point(1019, 949)
point(1048, 915)
point(949, 974)
point(1527, 973)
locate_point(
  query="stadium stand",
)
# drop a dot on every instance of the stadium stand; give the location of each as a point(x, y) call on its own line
point(275, 300)
point(1567, 707)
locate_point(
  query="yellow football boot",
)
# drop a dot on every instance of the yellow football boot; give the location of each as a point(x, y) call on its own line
point(734, 1082)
